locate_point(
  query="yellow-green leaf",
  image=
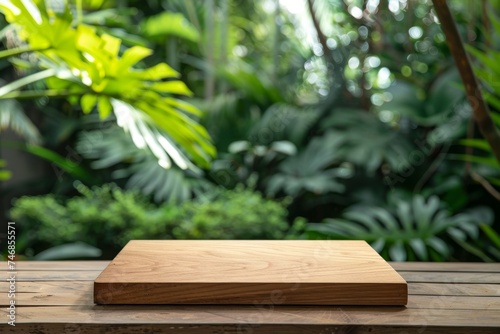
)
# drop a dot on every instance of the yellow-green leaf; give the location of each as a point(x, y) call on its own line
point(182, 105)
point(157, 72)
point(87, 39)
point(172, 87)
point(104, 107)
point(111, 44)
point(132, 56)
point(88, 102)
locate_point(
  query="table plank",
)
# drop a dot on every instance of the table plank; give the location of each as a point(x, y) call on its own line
point(220, 314)
point(237, 329)
point(51, 287)
point(53, 275)
point(56, 265)
point(447, 266)
point(450, 277)
point(457, 289)
point(409, 276)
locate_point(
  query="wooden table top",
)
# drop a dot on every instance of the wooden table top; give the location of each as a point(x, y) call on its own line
point(56, 297)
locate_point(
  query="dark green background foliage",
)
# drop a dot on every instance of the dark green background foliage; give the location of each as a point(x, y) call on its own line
point(107, 217)
point(365, 134)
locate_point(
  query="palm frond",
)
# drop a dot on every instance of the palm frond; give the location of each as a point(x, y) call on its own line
point(114, 149)
point(13, 117)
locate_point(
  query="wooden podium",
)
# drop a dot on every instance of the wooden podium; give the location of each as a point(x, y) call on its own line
point(298, 272)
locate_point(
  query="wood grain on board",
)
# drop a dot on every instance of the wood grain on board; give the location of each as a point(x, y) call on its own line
point(295, 272)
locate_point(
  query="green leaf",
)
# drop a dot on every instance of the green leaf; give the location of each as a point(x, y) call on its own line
point(58, 160)
point(367, 220)
point(111, 45)
point(495, 102)
point(88, 102)
point(397, 251)
point(378, 245)
point(493, 18)
point(105, 107)
point(239, 146)
point(385, 218)
point(170, 24)
point(491, 234)
point(476, 143)
point(182, 105)
point(488, 161)
point(419, 248)
point(486, 61)
point(284, 147)
point(157, 72)
point(439, 246)
point(404, 214)
point(132, 56)
point(172, 87)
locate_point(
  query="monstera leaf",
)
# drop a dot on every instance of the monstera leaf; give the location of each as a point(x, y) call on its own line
point(365, 141)
point(406, 229)
point(315, 170)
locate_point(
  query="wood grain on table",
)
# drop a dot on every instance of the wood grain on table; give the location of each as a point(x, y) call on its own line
point(56, 297)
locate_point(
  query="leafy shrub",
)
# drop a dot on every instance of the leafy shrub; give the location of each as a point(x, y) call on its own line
point(107, 217)
point(407, 229)
point(234, 214)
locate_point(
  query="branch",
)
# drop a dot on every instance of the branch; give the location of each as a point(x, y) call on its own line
point(480, 109)
point(321, 36)
point(486, 185)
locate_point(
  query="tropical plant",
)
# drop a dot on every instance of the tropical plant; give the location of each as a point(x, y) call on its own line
point(75, 61)
point(313, 170)
point(408, 229)
point(362, 139)
point(136, 168)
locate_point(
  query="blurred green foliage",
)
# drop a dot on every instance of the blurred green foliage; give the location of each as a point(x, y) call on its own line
point(408, 229)
point(366, 134)
point(107, 217)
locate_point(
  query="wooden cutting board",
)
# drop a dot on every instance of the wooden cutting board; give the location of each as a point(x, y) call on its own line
point(256, 272)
